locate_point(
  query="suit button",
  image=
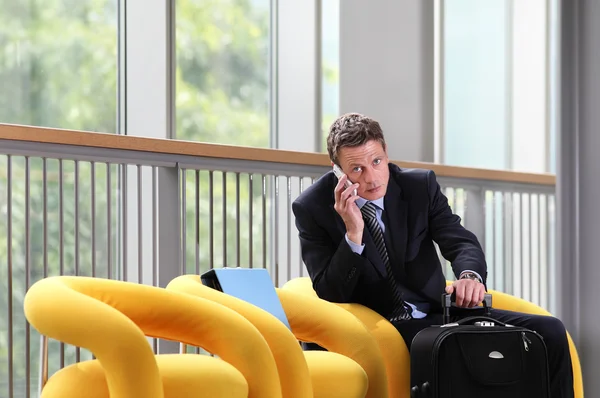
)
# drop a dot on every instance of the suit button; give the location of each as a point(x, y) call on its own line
point(352, 272)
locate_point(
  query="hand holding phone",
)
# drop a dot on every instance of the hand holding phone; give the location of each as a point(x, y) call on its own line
point(348, 210)
point(339, 173)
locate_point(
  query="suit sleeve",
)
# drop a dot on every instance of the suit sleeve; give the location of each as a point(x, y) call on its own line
point(333, 267)
point(457, 244)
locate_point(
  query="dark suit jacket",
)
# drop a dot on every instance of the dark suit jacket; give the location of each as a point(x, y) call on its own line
point(417, 214)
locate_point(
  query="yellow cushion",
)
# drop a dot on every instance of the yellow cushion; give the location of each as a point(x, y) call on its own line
point(110, 318)
point(336, 376)
point(319, 321)
point(395, 353)
point(291, 365)
point(183, 376)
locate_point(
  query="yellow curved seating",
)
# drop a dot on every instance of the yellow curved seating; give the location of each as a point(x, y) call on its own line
point(396, 354)
point(112, 318)
point(302, 374)
point(318, 321)
point(182, 376)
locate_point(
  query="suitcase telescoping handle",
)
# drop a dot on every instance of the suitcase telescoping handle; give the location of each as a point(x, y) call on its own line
point(449, 299)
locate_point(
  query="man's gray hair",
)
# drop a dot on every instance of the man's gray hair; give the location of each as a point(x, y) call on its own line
point(352, 130)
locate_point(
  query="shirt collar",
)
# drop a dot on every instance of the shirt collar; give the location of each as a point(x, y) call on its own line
point(360, 202)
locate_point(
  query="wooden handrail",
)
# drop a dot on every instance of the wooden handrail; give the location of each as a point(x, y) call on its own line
point(179, 147)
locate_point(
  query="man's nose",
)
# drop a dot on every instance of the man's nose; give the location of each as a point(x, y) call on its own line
point(368, 175)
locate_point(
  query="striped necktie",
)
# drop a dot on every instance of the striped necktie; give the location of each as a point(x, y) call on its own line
point(401, 311)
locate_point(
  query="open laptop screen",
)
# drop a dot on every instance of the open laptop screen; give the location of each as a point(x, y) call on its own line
point(253, 285)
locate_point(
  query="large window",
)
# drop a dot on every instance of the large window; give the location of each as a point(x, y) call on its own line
point(494, 93)
point(58, 64)
point(222, 80)
point(58, 68)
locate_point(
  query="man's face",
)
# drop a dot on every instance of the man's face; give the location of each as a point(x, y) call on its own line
point(367, 165)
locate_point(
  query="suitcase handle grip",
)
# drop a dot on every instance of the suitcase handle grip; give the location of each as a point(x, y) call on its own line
point(449, 299)
point(472, 319)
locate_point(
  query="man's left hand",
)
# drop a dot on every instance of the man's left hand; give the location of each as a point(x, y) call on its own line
point(469, 292)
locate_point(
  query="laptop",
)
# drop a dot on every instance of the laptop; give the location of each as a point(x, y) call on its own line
point(253, 285)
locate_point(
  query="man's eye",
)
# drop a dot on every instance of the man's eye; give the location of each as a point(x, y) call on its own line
point(376, 161)
point(356, 169)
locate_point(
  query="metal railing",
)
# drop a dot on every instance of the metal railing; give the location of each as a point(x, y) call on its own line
point(146, 211)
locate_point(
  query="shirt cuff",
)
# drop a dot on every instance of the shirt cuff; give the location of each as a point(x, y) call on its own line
point(358, 249)
point(468, 270)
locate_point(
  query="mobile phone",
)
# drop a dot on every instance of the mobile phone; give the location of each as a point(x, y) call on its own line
point(338, 172)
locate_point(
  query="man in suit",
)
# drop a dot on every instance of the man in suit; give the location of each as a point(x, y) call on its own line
point(375, 247)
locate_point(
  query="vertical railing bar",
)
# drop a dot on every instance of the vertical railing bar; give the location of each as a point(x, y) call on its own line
point(264, 220)
point(124, 195)
point(93, 182)
point(139, 222)
point(300, 262)
point(508, 255)
point(276, 232)
point(93, 221)
point(494, 244)
point(224, 215)
point(238, 216)
point(109, 220)
point(464, 223)
point(154, 241)
point(522, 253)
point(27, 271)
point(10, 276)
point(289, 227)
point(531, 282)
point(44, 339)
point(539, 249)
point(250, 220)
point(183, 221)
point(197, 221)
point(211, 219)
point(43, 363)
point(76, 186)
point(61, 237)
point(548, 255)
point(45, 214)
point(454, 201)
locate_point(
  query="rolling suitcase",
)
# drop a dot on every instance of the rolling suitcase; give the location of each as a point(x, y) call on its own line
point(478, 357)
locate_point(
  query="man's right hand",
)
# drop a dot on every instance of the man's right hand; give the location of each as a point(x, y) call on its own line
point(346, 207)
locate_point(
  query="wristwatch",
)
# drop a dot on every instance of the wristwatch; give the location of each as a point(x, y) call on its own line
point(469, 275)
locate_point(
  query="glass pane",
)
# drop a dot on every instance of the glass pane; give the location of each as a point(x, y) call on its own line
point(330, 61)
point(58, 64)
point(496, 102)
point(475, 83)
point(222, 86)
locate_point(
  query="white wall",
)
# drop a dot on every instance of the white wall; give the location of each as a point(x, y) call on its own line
point(579, 182)
point(386, 70)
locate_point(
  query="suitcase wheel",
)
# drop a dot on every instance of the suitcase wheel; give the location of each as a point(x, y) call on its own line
point(420, 391)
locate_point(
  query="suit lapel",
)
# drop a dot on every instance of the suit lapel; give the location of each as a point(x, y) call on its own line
point(397, 213)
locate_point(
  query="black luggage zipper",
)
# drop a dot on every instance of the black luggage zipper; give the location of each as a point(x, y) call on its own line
point(442, 336)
